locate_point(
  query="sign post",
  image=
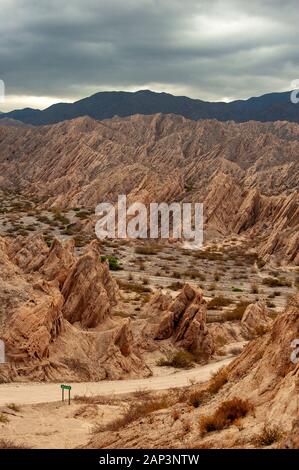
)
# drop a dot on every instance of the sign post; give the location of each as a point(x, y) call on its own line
point(66, 387)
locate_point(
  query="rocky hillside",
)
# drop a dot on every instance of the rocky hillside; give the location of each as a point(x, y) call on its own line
point(56, 315)
point(246, 174)
point(253, 402)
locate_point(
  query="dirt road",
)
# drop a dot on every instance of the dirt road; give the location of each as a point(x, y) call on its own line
point(33, 393)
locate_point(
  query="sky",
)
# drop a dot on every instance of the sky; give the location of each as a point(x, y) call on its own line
point(53, 51)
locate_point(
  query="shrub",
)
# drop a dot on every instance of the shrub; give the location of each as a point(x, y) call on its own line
point(195, 274)
point(218, 302)
point(237, 289)
point(133, 287)
point(254, 288)
point(176, 275)
point(135, 412)
point(13, 407)
point(268, 436)
point(179, 360)
point(176, 285)
point(277, 282)
point(197, 398)
point(225, 415)
point(175, 414)
point(82, 214)
point(3, 419)
point(146, 250)
point(112, 261)
point(62, 219)
point(219, 379)
point(7, 444)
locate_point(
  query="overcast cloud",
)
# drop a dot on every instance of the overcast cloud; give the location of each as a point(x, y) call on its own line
point(214, 50)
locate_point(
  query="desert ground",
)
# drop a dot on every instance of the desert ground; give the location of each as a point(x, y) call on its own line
point(164, 345)
point(37, 417)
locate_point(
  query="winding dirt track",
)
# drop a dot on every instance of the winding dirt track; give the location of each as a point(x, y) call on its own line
point(32, 392)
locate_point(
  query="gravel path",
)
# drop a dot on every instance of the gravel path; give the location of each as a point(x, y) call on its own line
point(32, 393)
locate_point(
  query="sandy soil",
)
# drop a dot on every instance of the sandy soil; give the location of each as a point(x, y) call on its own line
point(38, 419)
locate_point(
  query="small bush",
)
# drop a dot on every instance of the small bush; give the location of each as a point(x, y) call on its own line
point(62, 219)
point(82, 214)
point(133, 287)
point(218, 302)
point(112, 261)
point(254, 288)
point(176, 275)
point(268, 436)
point(277, 282)
point(146, 250)
point(176, 285)
point(3, 419)
point(197, 398)
point(135, 412)
point(219, 379)
point(13, 407)
point(175, 414)
point(179, 360)
point(237, 289)
point(7, 444)
point(226, 414)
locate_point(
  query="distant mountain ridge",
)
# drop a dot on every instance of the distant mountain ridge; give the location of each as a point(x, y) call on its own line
point(105, 105)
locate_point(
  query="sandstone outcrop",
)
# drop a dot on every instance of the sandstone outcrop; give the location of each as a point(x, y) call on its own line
point(185, 323)
point(256, 320)
point(88, 290)
point(56, 315)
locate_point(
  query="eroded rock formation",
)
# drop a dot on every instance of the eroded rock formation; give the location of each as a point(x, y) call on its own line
point(256, 320)
point(245, 174)
point(56, 315)
point(184, 321)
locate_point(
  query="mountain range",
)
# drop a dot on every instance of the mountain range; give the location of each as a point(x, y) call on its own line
point(106, 105)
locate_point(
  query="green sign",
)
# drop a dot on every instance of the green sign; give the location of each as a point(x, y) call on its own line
point(66, 387)
point(63, 388)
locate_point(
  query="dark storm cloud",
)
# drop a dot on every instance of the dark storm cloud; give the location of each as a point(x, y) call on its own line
point(207, 49)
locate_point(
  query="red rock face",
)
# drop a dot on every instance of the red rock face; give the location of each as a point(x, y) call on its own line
point(246, 174)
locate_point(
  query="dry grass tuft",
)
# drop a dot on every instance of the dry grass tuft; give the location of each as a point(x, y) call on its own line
point(14, 407)
point(3, 418)
point(179, 360)
point(228, 413)
point(7, 444)
point(268, 436)
point(136, 411)
point(219, 379)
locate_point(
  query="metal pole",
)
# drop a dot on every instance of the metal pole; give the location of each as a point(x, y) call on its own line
point(69, 396)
